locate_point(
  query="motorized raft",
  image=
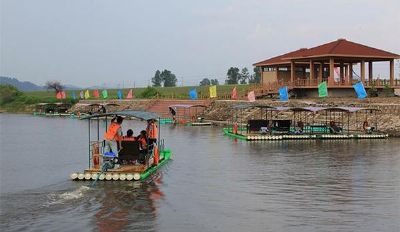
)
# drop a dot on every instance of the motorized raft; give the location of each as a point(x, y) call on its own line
point(121, 165)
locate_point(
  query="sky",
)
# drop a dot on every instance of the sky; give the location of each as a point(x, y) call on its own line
point(123, 42)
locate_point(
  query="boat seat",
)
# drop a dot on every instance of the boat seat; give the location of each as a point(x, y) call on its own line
point(130, 151)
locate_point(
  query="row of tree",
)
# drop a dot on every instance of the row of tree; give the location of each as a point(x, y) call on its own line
point(234, 76)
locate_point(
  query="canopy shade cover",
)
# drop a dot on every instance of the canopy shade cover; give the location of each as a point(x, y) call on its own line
point(144, 115)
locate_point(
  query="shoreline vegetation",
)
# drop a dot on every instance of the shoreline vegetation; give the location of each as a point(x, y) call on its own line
point(14, 101)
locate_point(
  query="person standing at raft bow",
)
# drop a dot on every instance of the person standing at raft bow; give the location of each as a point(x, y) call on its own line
point(152, 131)
point(114, 132)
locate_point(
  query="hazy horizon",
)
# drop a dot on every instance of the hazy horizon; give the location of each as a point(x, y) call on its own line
point(92, 43)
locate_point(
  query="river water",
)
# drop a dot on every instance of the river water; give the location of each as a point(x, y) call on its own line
point(213, 183)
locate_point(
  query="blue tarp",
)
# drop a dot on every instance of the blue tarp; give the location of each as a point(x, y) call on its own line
point(193, 94)
point(360, 90)
point(283, 94)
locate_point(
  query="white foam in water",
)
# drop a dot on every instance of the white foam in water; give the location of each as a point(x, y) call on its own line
point(73, 195)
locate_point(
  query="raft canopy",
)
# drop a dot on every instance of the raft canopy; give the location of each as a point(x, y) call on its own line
point(185, 106)
point(144, 115)
point(349, 109)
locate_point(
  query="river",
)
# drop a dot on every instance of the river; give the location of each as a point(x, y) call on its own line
point(213, 183)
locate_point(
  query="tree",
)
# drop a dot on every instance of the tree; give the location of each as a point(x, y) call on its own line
point(244, 75)
point(56, 85)
point(232, 76)
point(205, 81)
point(256, 77)
point(214, 82)
point(168, 78)
point(157, 80)
point(8, 93)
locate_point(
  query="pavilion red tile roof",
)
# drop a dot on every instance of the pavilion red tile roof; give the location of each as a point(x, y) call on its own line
point(338, 48)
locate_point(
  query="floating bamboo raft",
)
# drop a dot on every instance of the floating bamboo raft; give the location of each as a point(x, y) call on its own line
point(259, 137)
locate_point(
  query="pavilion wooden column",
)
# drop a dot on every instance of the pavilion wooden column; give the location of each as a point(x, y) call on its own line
point(370, 73)
point(292, 72)
point(392, 72)
point(346, 74)
point(331, 72)
point(350, 73)
point(321, 71)
point(311, 71)
point(362, 70)
point(341, 74)
point(261, 75)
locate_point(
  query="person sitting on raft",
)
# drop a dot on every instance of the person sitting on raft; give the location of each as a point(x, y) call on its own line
point(368, 129)
point(129, 136)
point(142, 139)
point(333, 128)
point(299, 128)
point(114, 132)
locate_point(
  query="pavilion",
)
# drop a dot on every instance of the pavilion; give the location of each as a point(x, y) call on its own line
point(302, 70)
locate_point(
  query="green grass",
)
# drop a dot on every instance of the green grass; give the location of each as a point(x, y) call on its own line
point(223, 92)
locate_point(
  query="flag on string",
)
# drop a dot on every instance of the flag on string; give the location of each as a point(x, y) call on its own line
point(213, 91)
point(119, 94)
point(193, 94)
point(104, 93)
point(63, 95)
point(283, 93)
point(360, 90)
point(87, 94)
point(96, 93)
point(251, 96)
point(81, 95)
point(234, 94)
point(322, 89)
point(130, 94)
point(73, 95)
point(58, 95)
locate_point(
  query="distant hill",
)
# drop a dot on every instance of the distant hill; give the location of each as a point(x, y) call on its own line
point(21, 85)
point(29, 86)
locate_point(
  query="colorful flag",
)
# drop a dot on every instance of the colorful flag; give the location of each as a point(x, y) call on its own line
point(130, 94)
point(96, 93)
point(283, 93)
point(63, 95)
point(251, 96)
point(360, 90)
point(59, 95)
point(322, 89)
point(213, 91)
point(193, 94)
point(104, 93)
point(81, 95)
point(234, 94)
point(87, 94)
point(119, 94)
point(74, 95)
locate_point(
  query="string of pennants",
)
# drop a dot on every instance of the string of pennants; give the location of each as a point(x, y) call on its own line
point(283, 93)
point(85, 94)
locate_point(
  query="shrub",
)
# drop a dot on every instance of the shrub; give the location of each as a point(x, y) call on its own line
point(149, 92)
point(372, 92)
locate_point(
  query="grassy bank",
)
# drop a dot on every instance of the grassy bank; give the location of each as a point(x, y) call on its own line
point(24, 102)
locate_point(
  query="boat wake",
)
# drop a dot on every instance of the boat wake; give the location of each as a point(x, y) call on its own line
point(60, 198)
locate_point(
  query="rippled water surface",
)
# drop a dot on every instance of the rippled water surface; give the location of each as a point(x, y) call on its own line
point(213, 183)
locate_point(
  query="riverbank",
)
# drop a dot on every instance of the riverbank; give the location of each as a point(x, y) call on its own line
point(221, 111)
